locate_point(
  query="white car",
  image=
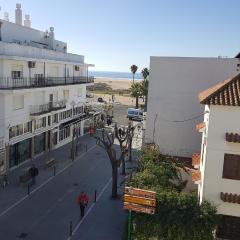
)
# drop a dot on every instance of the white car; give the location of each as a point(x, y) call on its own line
point(135, 114)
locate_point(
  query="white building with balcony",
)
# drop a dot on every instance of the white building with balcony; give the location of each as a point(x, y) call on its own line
point(218, 165)
point(42, 92)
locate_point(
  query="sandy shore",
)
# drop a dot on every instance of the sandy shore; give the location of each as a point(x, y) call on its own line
point(115, 83)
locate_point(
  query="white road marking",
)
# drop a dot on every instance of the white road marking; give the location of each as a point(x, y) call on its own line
point(42, 185)
point(90, 209)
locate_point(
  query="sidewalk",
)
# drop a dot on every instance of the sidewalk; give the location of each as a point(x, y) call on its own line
point(16, 190)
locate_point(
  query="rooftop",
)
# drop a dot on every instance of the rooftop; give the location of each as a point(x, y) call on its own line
point(225, 93)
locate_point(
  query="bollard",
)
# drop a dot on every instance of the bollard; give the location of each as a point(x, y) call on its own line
point(28, 189)
point(54, 171)
point(86, 147)
point(95, 196)
point(70, 229)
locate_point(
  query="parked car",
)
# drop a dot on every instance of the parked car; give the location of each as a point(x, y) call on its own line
point(135, 114)
point(100, 100)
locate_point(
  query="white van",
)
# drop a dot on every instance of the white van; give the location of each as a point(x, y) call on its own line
point(135, 114)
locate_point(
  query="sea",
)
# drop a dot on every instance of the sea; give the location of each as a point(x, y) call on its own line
point(115, 75)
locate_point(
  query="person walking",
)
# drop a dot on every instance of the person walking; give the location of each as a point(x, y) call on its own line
point(5, 181)
point(33, 172)
point(82, 201)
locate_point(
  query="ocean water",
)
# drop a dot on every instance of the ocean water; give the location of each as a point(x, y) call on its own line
point(116, 75)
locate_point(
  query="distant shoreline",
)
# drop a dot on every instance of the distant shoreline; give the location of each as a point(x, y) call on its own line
point(118, 79)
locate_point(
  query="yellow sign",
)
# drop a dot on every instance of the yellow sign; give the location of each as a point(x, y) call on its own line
point(140, 200)
point(139, 208)
point(139, 192)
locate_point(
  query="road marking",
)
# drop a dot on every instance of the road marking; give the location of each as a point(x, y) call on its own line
point(90, 209)
point(43, 184)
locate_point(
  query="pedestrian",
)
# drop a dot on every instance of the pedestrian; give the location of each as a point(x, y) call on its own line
point(82, 201)
point(5, 180)
point(108, 121)
point(33, 172)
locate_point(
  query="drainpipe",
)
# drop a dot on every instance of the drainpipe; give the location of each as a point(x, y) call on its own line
point(65, 74)
point(73, 73)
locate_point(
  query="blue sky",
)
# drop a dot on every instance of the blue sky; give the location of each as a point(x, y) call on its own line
point(114, 34)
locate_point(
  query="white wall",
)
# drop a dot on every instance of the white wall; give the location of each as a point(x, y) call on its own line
point(173, 89)
point(12, 32)
point(222, 119)
point(17, 50)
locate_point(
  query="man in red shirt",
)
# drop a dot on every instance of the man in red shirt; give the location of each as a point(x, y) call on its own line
point(82, 201)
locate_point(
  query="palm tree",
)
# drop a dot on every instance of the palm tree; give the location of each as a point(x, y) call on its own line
point(136, 90)
point(145, 74)
point(134, 69)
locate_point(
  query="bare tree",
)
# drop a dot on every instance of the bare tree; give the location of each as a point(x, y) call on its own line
point(121, 134)
point(130, 139)
point(105, 139)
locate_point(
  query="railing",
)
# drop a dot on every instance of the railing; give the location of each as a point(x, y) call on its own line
point(20, 83)
point(46, 108)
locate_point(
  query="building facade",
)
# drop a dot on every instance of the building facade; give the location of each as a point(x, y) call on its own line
point(173, 109)
point(218, 165)
point(42, 92)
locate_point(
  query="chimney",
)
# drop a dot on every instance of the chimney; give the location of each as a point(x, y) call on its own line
point(27, 22)
point(6, 16)
point(18, 14)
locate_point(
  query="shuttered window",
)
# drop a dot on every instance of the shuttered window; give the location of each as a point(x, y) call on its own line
point(229, 228)
point(231, 167)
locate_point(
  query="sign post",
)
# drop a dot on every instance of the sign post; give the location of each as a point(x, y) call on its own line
point(129, 224)
point(138, 200)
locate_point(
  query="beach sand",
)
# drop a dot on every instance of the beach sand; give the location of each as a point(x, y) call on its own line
point(116, 84)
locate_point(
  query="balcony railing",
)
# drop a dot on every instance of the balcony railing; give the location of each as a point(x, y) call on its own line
point(21, 83)
point(196, 177)
point(46, 108)
point(196, 159)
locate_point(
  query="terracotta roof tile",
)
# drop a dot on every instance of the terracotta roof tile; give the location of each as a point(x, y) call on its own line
point(223, 93)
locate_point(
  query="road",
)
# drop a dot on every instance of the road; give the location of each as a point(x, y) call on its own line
point(46, 213)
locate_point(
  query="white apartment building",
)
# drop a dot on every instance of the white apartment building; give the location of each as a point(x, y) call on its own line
point(42, 92)
point(218, 164)
point(173, 109)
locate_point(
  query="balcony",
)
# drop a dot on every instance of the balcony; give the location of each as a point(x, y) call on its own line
point(196, 158)
point(196, 177)
point(230, 197)
point(23, 83)
point(200, 126)
point(46, 108)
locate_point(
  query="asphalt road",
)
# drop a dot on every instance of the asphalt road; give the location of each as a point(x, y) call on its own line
point(46, 214)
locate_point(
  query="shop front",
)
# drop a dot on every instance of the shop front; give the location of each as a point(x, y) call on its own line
point(20, 152)
point(39, 143)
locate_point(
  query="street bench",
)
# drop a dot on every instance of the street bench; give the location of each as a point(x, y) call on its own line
point(49, 163)
point(24, 178)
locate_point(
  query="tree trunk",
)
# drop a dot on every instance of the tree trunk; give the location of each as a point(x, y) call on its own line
point(114, 180)
point(133, 77)
point(130, 152)
point(123, 167)
point(136, 101)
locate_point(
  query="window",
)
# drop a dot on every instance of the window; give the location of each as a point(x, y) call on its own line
point(231, 167)
point(39, 123)
point(55, 118)
point(17, 74)
point(27, 127)
point(229, 228)
point(18, 102)
point(64, 133)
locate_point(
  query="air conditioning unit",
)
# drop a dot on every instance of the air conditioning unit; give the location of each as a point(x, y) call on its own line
point(76, 68)
point(31, 64)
